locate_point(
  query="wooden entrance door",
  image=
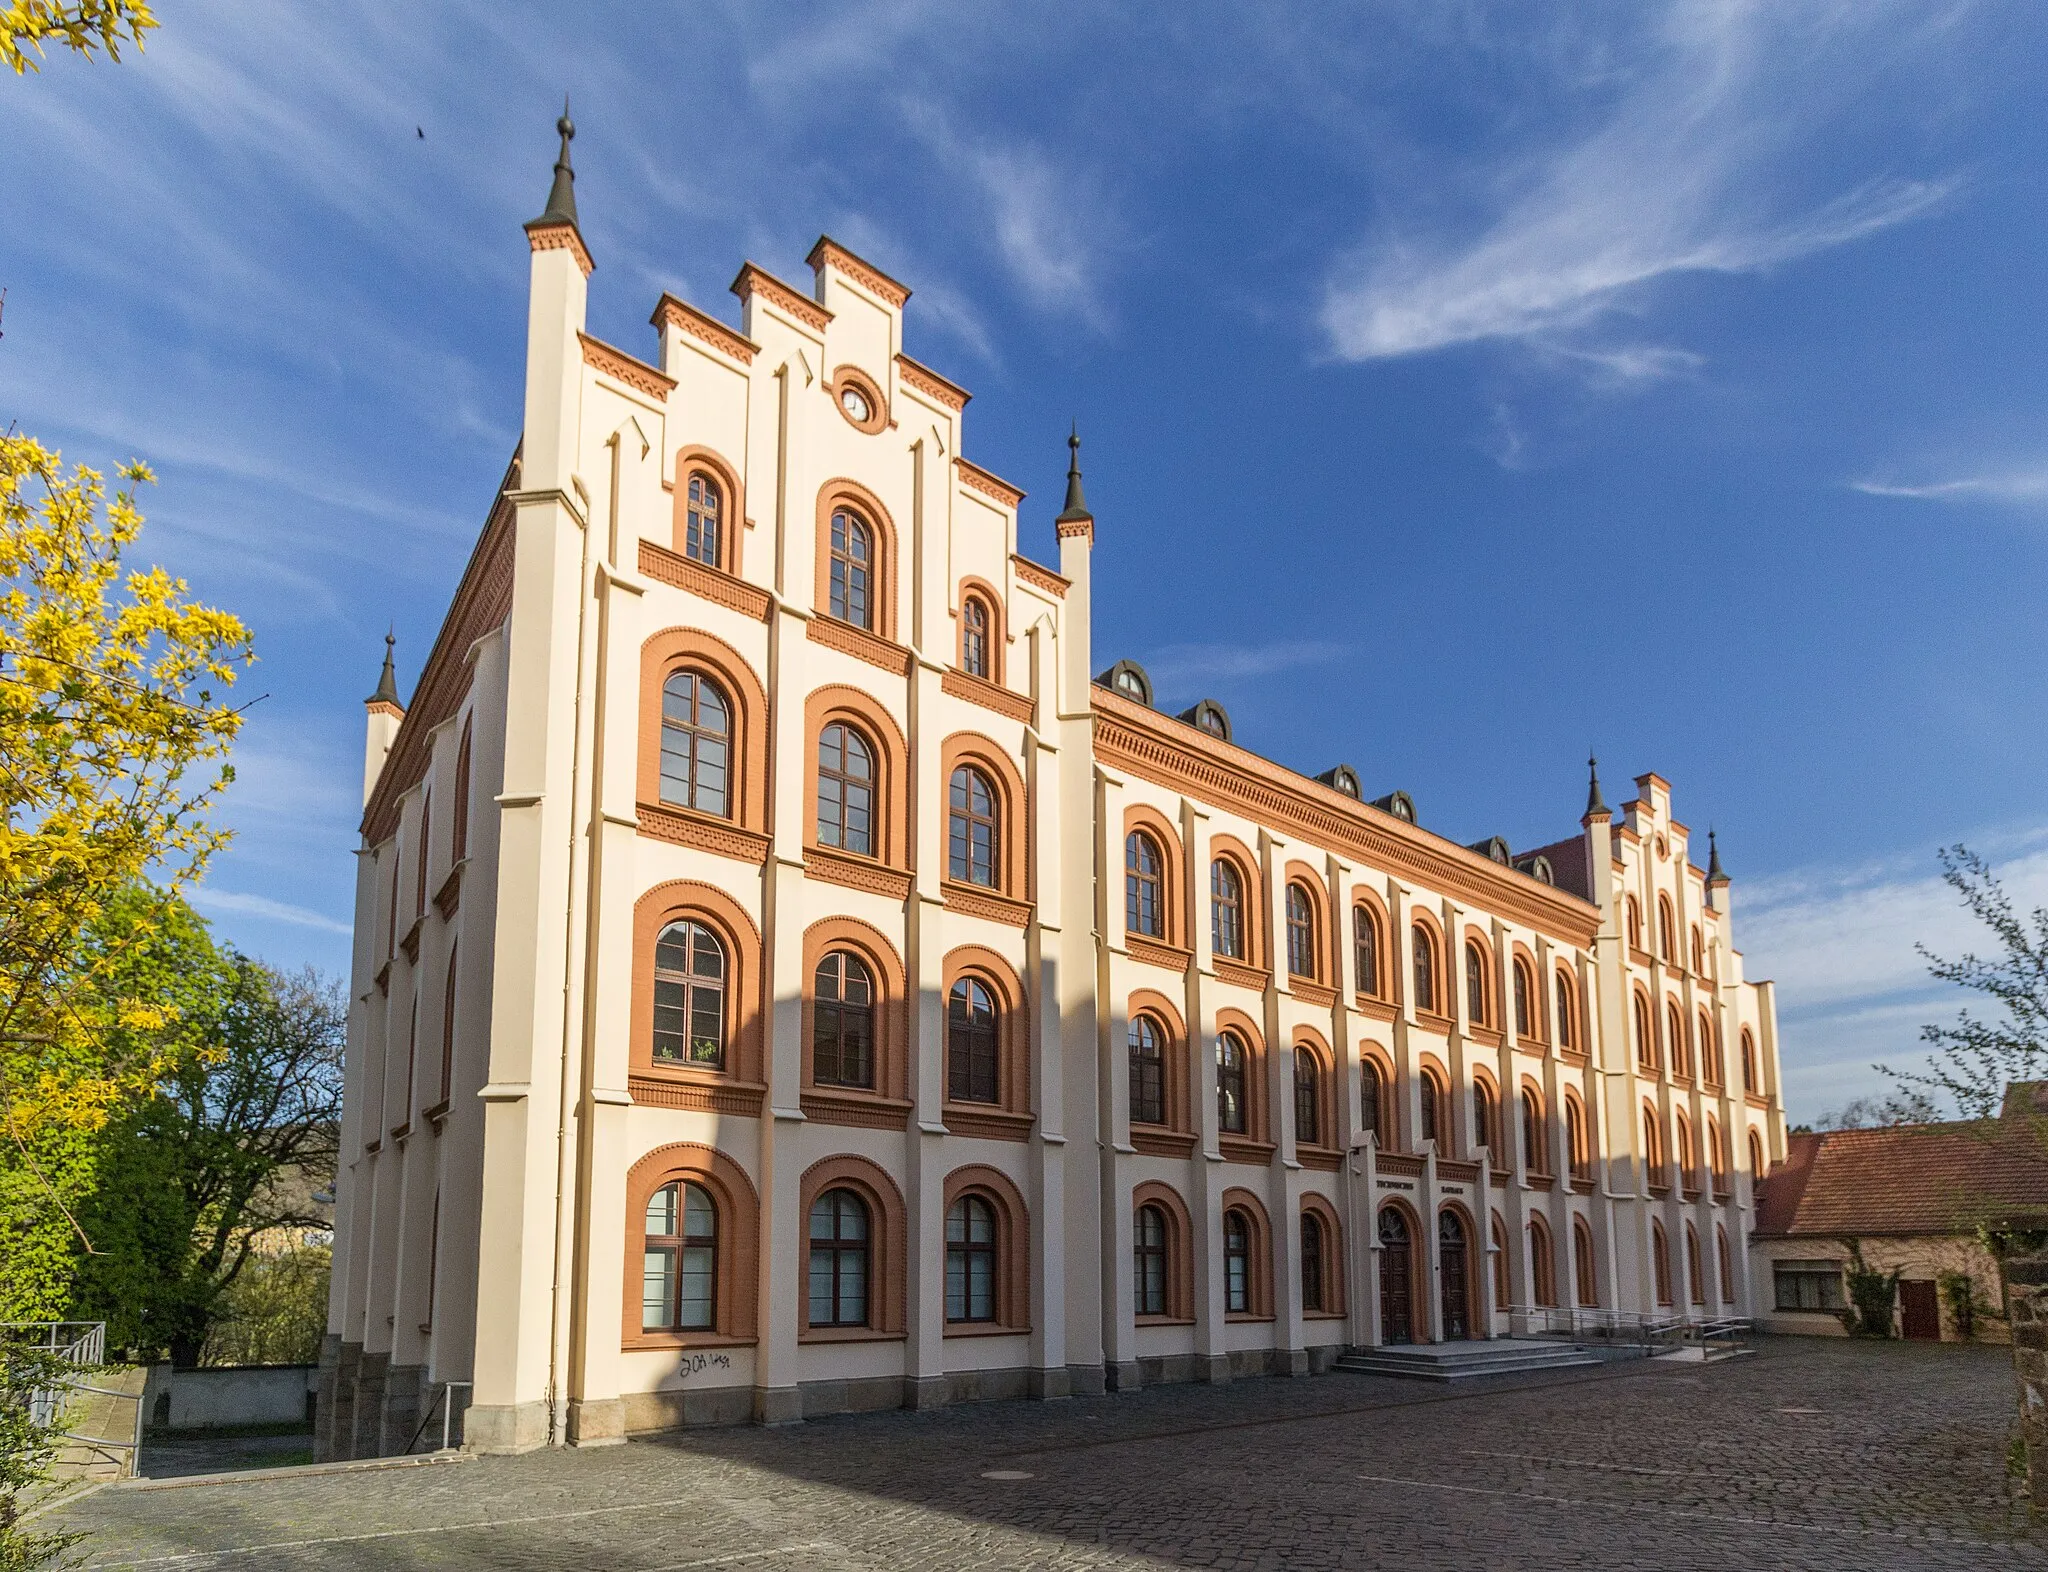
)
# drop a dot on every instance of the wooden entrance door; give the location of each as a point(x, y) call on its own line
point(1919, 1311)
point(1455, 1277)
point(1397, 1294)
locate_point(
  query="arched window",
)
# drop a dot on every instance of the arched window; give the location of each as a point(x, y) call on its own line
point(1482, 1117)
point(1688, 1159)
point(1532, 1134)
point(1144, 872)
point(850, 597)
point(1475, 982)
point(459, 834)
point(974, 637)
point(696, 744)
point(1148, 1261)
point(1653, 1146)
point(1301, 932)
point(1503, 1298)
point(1586, 1283)
point(1567, 1028)
point(1749, 1075)
point(1726, 1264)
point(1148, 1072)
point(1425, 968)
point(419, 893)
point(1665, 950)
point(689, 996)
point(1711, 1068)
point(1226, 910)
point(448, 1028)
point(1371, 1102)
point(1525, 1022)
point(1633, 915)
point(1367, 927)
point(1717, 1164)
point(1695, 1278)
point(679, 1272)
point(1575, 1138)
point(839, 1260)
point(1231, 1058)
point(973, 829)
point(1756, 1157)
point(971, 1057)
point(1308, 1098)
point(702, 528)
point(1237, 1262)
point(1542, 1262)
point(1431, 1097)
point(1646, 1036)
point(1681, 1050)
point(843, 1023)
point(1699, 954)
point(1312, 1287)
point(970, 1260)
point(1660, 1249)
point(846, 790)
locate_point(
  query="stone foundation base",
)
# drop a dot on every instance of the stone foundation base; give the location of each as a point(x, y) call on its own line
point(501, 1428)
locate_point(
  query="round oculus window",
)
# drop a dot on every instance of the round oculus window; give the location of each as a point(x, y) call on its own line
point(855, 403)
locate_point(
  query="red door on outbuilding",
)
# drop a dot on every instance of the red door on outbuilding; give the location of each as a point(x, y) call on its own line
point(1919, 1311)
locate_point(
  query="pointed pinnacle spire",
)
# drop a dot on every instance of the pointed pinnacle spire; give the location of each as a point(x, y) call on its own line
point(561, 208)
point(1595, 803)
point(387, 682)
point(1715, 872)
point(1077, 505)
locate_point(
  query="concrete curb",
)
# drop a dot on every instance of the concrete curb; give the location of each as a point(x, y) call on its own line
point(245, 1476)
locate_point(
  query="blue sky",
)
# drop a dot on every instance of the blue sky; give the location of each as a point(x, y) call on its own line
point(1664, 378)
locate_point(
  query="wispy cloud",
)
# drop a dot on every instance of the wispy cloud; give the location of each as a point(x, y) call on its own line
point(1680, 176)
point(2025, 487)
point(263, 908)
point(1183, 666)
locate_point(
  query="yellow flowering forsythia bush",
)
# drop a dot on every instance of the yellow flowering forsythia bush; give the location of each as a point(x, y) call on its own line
point(81, 25)
point(114, 734)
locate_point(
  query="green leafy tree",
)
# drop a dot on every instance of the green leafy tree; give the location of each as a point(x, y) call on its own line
point(28, 1441)
point(85, 26)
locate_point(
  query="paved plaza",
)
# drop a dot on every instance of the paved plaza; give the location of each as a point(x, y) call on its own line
point(1810, 1455)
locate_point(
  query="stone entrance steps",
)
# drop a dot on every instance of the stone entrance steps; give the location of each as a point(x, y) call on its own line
point(1466, 1361)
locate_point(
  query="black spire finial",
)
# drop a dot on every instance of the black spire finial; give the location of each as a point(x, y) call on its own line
point(561, 208)
point(1714, 869)
point(1077, 505)
point(387, 681)
point(1595, 803)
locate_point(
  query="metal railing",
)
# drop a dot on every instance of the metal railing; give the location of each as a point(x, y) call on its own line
point(83, 1346)
point(1625, 1327)
point(444, 1402)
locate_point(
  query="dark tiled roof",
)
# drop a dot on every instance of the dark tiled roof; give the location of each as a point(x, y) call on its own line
point(1911, 1179)
point(1567, 864)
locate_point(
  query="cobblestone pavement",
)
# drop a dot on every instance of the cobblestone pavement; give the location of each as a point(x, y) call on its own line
point(1824, 1455)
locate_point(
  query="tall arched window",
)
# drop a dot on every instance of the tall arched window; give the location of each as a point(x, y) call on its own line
point(419, 894)
point(448, 1028)
point(1237, 1262)
point(1575, 1139)
point(1749, 1075)
point(1695, 1278)
point(1312, 1262)
point(1756, 1157)
point(974, 637)
point(850, 593)
point(1660, 1249)
point(971, 1056)
point(1726, 1264)
point(1699, 953)
point(1503, 1297)
point(1232, 1115)
point(679, 1271)
point(970, 1260)
point(1372, 1101)
point(1431, 1097)
point(1533, 1158)
point(1425, 968)
point(1475, 982)
point(1525, 1022)
point(1632, 915)
point(696, 744)
point(1666, 950)
point(1148, 1072)
point(1567, 1025)
point(1144, 875)
point(1688, 1159)
point(1367, 927)
point(1148, 1261)
point(1681, 1050)
point(839, 1260)
point(1586, 1283)
point(1301, 932)
point(973, 829)
point(1712, 1071)
point(1653, 1147)
point(689, 996)
point(703, 525)
point(846, 790)
point(1542, 1262)
point(1646, 1036)
point(843, 1022)
point(1482, 1116)
point(1717, 1155)
point(1308, 1098)
point(1226, 910)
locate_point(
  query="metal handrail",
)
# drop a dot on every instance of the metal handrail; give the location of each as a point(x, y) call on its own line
point(447, 1408)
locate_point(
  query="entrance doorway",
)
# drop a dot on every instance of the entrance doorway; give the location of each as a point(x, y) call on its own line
point(1452, 1269)
point(1919, 1311)
point(1397, 1295)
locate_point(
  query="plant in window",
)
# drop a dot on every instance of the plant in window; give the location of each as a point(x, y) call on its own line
point(689, 996)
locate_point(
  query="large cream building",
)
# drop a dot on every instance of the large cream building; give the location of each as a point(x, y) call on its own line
point(788, 978)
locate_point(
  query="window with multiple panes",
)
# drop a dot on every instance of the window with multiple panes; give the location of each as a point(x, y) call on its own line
point(1371, 1116)
point(1665, 951)
point(973, 829)
point(1308, 1098)
point(1431, 1096)
point(970, 1260)
point(839, 1260)
point(1148, 1072)
point(1301, 932)
point(1312, 1262)
point(701, 527)
point(1237, 1263)
point(1226, 910)
point(1565, 1037)
point(1525, 1024)
point(974, 638)
point(1681, 1051)
point(849, 592)
point(1475, 984)
point(843, 1022)
point(1231, 1113)
point(689, 996)
point(1532, 1135)
point(971, 1055)
point(1646, 1035)
point(1368, 936)
point(1144, 874)
point(1575, 1138)
point(1148, 1261)
point(1482, 1116)
point(846, 790)
point(696, 744)
point(679, 1274)
point(1425, 968)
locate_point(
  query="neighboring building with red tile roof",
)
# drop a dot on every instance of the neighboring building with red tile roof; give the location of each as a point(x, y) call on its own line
point(1915, 1198)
